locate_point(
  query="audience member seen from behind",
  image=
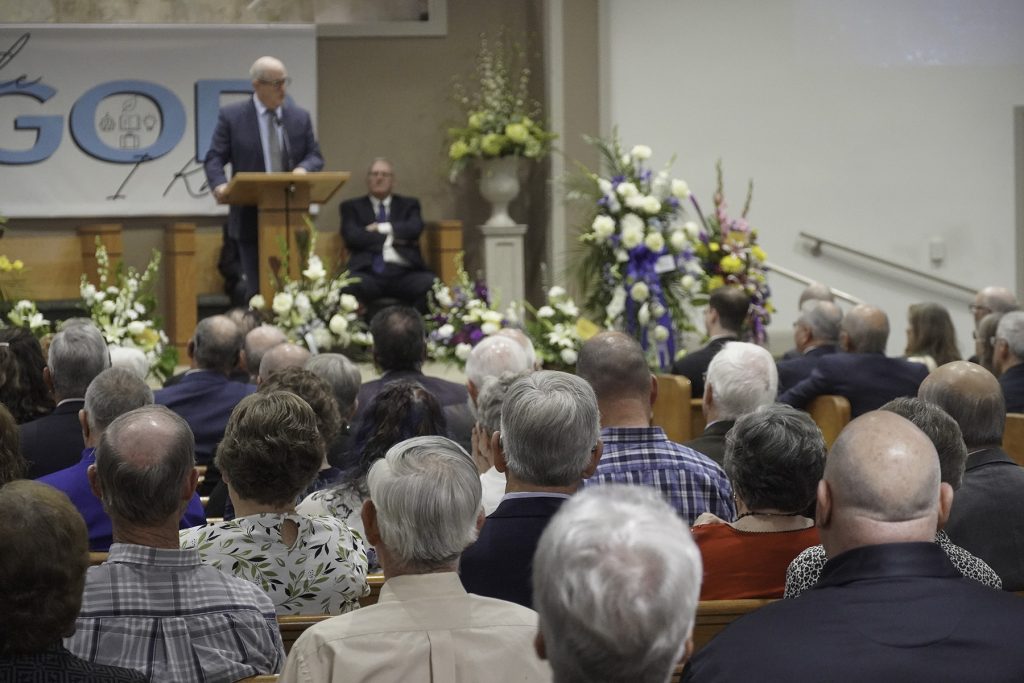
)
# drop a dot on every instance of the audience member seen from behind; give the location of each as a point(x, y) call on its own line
point(616, 582)
point(489, 402)
point(944, 433)
point(724, 318)
point(931, 339)
point(42, 572)
point(12, 464)
point(984, 341)
point(774, 458)
point(344, 379)
point(22, 388)
point(307, 565)
point(1008, 359)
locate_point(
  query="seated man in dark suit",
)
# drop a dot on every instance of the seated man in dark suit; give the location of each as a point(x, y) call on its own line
point(863, 374)
point(550, 441)
point(724, 317)
point(815, 291)
point(987, 518)
point(382, 232)
point(77, 354)
point(1008, 360)
point(815, 333)
point(889, 606)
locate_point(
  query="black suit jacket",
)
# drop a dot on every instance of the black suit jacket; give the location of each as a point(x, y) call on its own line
point(987, 517)
point(500, 563)
point(712, 442)
point(1012, 383)
point(694, 365)
point(55, 441)
point(794, 370)
point(363, 245)
point(236, 141)
point(867, 380)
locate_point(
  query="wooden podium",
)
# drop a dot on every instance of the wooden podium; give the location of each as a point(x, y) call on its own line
point(281, 199)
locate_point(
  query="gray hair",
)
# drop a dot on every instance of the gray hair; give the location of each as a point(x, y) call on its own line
point(1011, 328)
point(260, 66)
point(426, 491)
point(143, 460)
point(550, 425)
point(216, 343)
point(822, 318)
point(775, 457)
point(77, 354)
point(867, 328)
point(492, 397)
point(979, 408)
point(129, 358)
point(743, 378)
point(343, 377)
point(114, 392)
point(983, 334)
point(258, 341)
point(943, 431)
point(493, 356)
point(614, 364)
point(616, 580)
point(816, 291)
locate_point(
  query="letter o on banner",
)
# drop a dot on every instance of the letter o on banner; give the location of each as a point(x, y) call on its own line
point(83, 121)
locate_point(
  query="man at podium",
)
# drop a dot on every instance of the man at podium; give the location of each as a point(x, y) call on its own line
point(265, 133)
point(381, 232)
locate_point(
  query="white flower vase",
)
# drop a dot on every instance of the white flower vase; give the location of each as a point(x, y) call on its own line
point(499, 184)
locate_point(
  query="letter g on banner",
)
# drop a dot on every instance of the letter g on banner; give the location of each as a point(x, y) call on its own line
point(83, 121)
point(48, 128)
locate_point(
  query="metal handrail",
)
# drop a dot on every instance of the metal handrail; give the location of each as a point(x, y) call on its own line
point(798, 277)
point(820, 241)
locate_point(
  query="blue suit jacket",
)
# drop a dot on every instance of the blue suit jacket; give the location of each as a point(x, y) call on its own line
point(798, 368)
point(205, 399)
point(693, 365)
point(500, 563)
point(867, 380)
point(53, 442)
point(236, 141)
point(362, 245)
point(1012, 383)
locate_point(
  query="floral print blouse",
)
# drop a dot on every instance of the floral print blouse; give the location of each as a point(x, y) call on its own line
point(322, 572)
point(341, 502)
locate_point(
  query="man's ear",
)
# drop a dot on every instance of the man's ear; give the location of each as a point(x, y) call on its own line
point(595, 458)
point(687, 651)
point(369, 515)
point(191, 484)
point(48, 377)
point(498, 453)
point(844, 341)
point(481, 519)
point(823, 509)
point(654, 389)
point(83, 420)
point(94, 482)
point(945, 503)
point(472, 390)
point(190, 348)
point(539, 646)
point(708, 399)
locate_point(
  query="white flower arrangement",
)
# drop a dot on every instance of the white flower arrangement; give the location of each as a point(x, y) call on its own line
point(26, 314)
point(554, 329)
point(122, 306)
point(460, 316)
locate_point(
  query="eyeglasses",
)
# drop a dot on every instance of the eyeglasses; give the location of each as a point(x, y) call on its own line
point(279, 83)
point(974, 308)
point(380, 174)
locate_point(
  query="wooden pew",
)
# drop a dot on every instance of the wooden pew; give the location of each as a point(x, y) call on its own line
point(97, 558)
point(830, 413)
point(265, 678)
point(1013, 437)
point(375, 581)
point(293, 625)
point(672, 409)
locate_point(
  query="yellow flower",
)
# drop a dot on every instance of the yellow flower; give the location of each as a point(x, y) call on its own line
point(458, 150)
point(492, 144)
point(517, 132)
point(18, 265)
point(758, 253)
point(476, 120)
point(714, 246)
point(731, 263)
point(715, 282)
point(5, 263)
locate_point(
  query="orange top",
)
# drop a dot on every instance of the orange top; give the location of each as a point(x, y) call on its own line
point(747, 564)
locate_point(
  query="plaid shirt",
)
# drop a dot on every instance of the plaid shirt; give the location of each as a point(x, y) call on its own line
point(162, 612)
point(691, 482)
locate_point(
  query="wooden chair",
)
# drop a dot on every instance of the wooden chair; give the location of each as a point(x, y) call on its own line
point(715, 615)
point(265, 678)
point(672, 409)
point(375, 581)
point(831, 414)
point(97, 558)
point(1013, 437)
point(697, 421)
point(294, 625)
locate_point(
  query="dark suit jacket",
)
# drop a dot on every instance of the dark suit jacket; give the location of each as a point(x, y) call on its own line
point(867, 380)
point(49, 442)
point(1012, 383)
point(987, 518)
point(712, 442)
point(794, 370)
point(236, 141)
point(694, 365)
point(362, 245)
point(500, 563)
point(882, 613)
point(205, 399)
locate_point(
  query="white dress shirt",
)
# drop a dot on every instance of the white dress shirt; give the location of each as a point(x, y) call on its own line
point(384, 228)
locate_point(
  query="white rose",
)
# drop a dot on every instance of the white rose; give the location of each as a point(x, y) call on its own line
point(139, 308)
point(302, 303)
point(569, 309)
point(100, 296)
point(635, 202)
point(655, 242)
point(136, 328)
point(257, 302)
point(315, 270)
point(445, 331)
point(640, 152)
point(603, 226)
point(660, 333)
point(112, 290)
point(678, 240)
point(692, 230)
point(443, 298)
point(322, 338)
point(490, 328)
point(680, 190)
point(604, 185)
point(632, 230)
point(349, 302)
point(132, 315)
point(627, 190)
point(643, 316)
point(88, 292)
point(338, 324)
point(688, 281)
point(282, 303)
point(568, 356)
point(613, 205)
point(651, 205)
point(617, 304)
point(491, 317)
point(545, 312)
point(639, 292)
point(556, 292)
point(462, 351)
point(109, 307)
point(621, 256)
point(657, 310)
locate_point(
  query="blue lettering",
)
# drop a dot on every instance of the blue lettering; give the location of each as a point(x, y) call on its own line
point(48, 128)
point(208, 94)
point(83, 121)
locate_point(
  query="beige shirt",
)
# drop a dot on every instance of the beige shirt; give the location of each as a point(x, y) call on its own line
point(423, 628)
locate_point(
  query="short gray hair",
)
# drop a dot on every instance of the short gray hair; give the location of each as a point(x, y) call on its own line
point(491, 398)
point(143, 460)
point(216, 343)
point(816, 291)
point(616, 580)
point(550, 425)
point(822, 318)
point(867, 328)
point(260, 66)
point(426, 491)
point(743, 378)
point(343, 377)
point(775, 457)
point(258, 341)
point(114, 392)
point(1011, 328)
point(943, 431)
point(77, 354)
point(493, 356)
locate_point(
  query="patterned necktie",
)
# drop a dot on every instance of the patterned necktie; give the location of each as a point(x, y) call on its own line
point(274, 142)
point(378, 259)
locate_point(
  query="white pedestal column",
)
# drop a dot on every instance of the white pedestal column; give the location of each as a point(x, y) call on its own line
point(503, 262)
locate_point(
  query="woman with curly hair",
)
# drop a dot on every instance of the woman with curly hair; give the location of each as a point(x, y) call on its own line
point(12, 463)
point(931, 339)
point(22, 388)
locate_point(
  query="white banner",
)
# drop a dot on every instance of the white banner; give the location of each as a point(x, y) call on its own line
point(110, 121)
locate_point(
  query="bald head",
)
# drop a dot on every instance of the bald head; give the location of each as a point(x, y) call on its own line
point(816, 291)
point(523, 340)
point(258, 341)
point(865, 329)
point(613, 363)
point(992, 300)
point(972, 396)
point(881, 485)
point(282, 356)
point(216, 344)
